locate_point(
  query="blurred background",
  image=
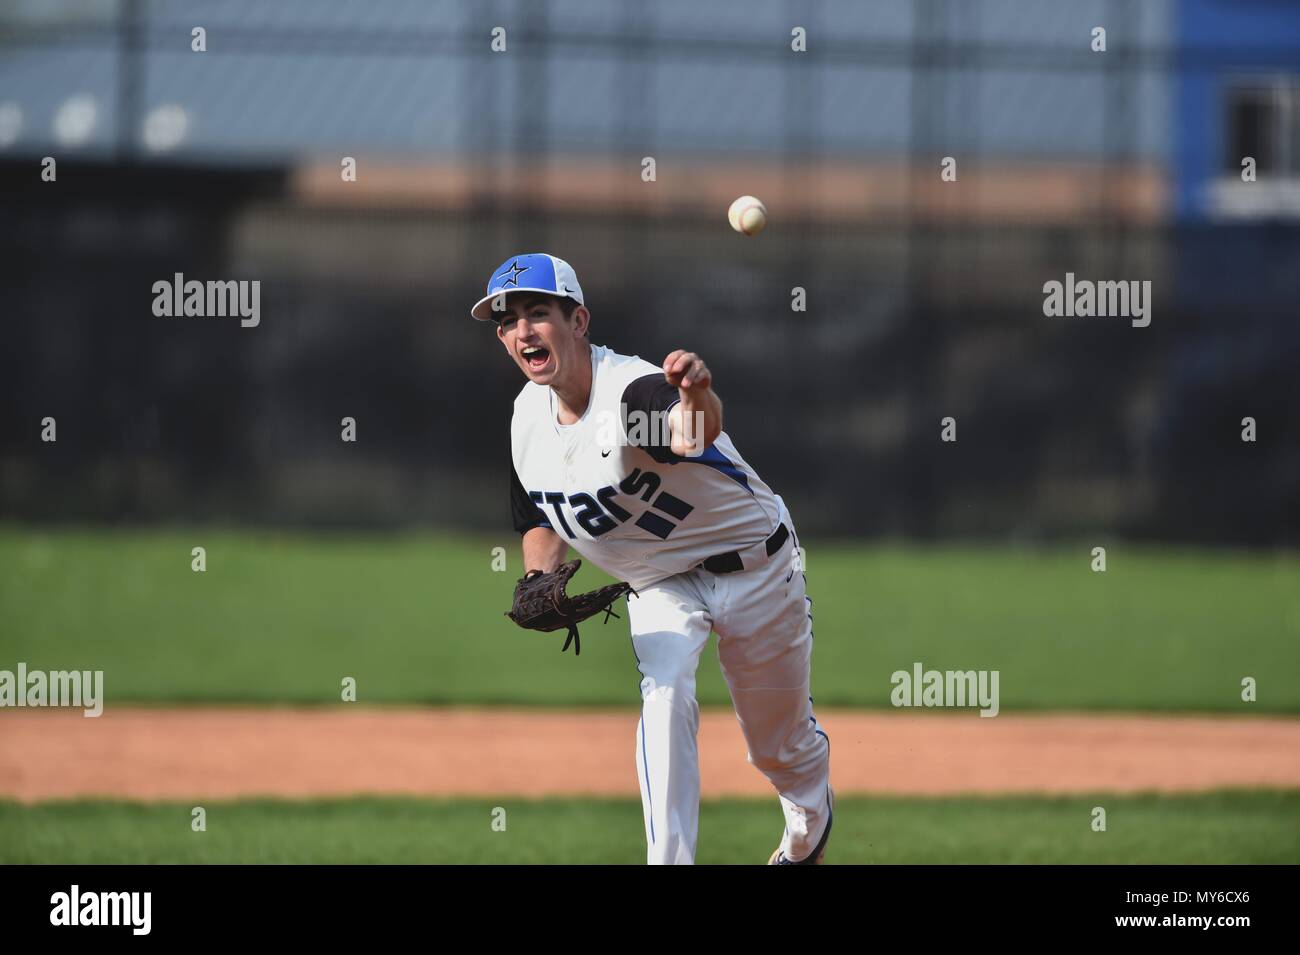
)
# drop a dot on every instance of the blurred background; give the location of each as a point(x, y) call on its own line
point(924, 297)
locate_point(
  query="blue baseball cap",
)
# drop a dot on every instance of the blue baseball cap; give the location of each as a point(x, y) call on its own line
point(534, 272)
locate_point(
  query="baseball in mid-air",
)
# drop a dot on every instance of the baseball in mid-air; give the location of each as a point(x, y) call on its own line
point(747, 215)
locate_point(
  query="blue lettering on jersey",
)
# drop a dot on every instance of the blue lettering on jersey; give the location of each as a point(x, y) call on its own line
point(600, 514)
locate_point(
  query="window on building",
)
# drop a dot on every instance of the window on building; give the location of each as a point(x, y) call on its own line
point(1263, 121)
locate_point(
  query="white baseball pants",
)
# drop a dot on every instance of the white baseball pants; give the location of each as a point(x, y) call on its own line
point(763, 620)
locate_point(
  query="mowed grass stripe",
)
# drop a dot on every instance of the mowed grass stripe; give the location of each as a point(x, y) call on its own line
point(1221, 827)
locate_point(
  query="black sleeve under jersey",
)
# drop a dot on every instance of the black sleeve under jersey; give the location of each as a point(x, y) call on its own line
point(651, 395)
point(523, 509)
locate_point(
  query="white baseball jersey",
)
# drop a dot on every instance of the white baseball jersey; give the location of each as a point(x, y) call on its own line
point(612, 487)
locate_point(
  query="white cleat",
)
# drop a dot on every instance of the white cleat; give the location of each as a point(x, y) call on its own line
point(819, 854)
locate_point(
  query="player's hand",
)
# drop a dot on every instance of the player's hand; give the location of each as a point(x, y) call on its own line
point(686, 370)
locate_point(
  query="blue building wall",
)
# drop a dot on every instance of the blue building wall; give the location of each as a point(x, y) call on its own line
point(1219, 40)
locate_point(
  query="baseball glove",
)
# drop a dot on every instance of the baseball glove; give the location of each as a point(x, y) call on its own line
point(541, 603)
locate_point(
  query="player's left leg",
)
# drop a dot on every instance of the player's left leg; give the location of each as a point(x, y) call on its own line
point(765, 638)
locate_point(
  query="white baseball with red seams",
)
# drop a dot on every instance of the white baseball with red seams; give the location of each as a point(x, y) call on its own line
point(747, 215)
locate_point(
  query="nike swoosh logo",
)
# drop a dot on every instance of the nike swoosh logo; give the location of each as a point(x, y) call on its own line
point(605, 454)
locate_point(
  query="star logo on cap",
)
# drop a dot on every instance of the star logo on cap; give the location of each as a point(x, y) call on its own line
point(515, 271)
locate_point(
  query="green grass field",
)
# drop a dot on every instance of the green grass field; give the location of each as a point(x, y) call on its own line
point(1224, 827)
point(418, 618)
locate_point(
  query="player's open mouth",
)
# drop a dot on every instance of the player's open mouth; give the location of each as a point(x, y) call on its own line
point(536, 357)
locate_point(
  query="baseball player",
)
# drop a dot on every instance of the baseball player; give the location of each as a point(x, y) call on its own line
point(627, 463)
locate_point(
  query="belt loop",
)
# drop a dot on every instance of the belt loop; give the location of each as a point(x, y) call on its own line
point(777, 540)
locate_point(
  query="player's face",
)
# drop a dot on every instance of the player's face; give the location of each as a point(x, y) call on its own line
point(544, 344)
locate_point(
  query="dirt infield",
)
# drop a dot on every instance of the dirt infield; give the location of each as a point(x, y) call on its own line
point(217, 753)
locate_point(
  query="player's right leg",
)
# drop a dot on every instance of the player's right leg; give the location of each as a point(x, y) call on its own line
point(670, 626)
